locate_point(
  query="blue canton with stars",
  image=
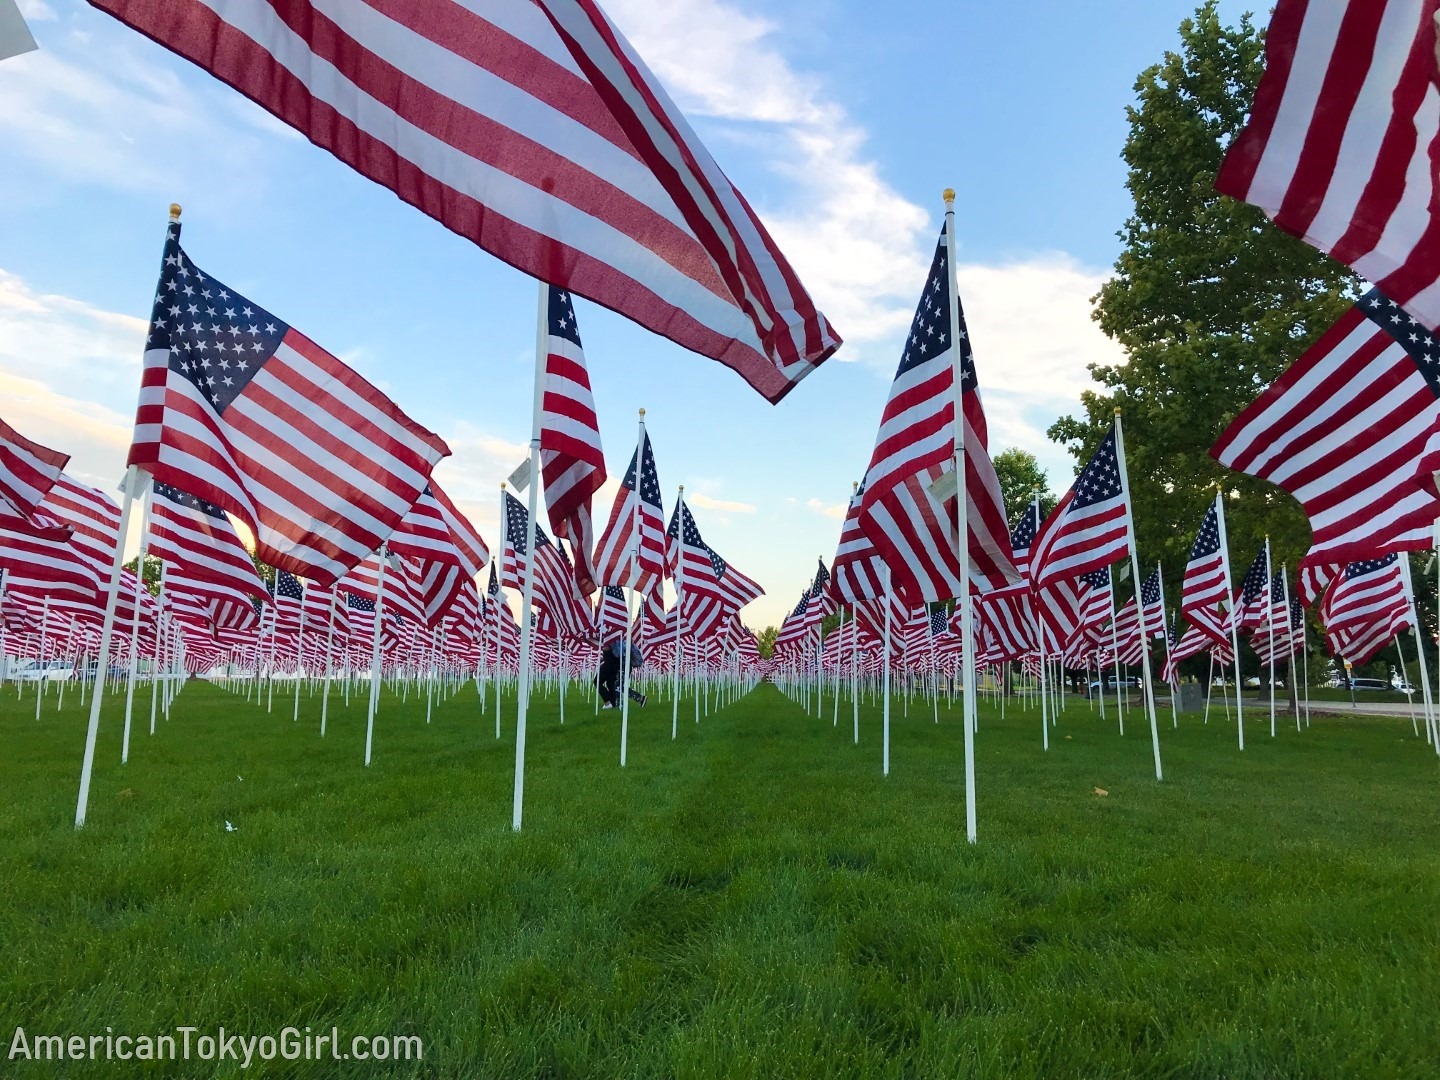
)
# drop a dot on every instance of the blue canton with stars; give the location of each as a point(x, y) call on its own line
point(822, 578)
point(560, 313)
point(216, 338)
point(1367, 566)
point(288, 586)
point(1253, 586)
point(1097, 579)
point(181, 498)
point(1099, 481)
point(1207, 540)
point(515, 518)
point(1417, 341)
point(1023, 535)
point(649, 482)
point(1150, 591)
point(930, 329)
point(682, 521)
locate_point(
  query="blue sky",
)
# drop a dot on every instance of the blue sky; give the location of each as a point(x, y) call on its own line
point(841, 121)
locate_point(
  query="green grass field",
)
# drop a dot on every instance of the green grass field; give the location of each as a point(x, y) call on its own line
point(753, 900)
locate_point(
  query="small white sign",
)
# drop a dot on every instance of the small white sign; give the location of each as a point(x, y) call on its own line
point(945, 487)
point(520, 478)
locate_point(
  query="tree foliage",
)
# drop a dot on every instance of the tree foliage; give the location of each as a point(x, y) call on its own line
point(765, 641)
point(1210, 302)
point(1021, 478)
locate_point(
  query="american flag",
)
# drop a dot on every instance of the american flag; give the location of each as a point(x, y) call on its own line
point(657, 625)
point(423, 533)
point(27, 470)
point(1089, 527)
point(914, 533)
point(1127, 620)
point(1352, 431)
point(1369, 591)
point(400, 597)
point(1358, 645)
point(1097, 607)
point(96, 521)
point(637, 507)
point(188, 532)
point(555, 588)
point(858, 571)
point(535, 131)
point(289, 601)
point(1342, 140)
point(37, 558)
point(612, 616)
point(245, 412)
point(792, 629)
point(1193, 642)
point(1207, 578)
point(1249, 609)
point(1007, 621)
point(1058, 606)
point(1023, 536)
point(571, 460)
point(820, 603)
point(687, 555)
point(736, 589)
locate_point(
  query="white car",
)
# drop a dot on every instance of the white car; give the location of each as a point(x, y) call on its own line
point(50, 671)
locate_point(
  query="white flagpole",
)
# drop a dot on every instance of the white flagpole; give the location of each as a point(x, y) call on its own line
point(135, 625)
point(1234, 629)
point(1174, 687)
point(679, 611)
point(1140, 607)
point(159, 644)
point(1290, 640)
point(1426, 701)
point(1270, 626)
point(136, 480)
point(44, 671)
point(329, 659)
point(1115, 654)
point(528, 592)
point(299, 648)
point(885, 678)
point(630, 592)
point(375, 652)
point(967, 630)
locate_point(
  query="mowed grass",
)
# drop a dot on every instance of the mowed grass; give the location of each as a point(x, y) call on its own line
point(752, 900)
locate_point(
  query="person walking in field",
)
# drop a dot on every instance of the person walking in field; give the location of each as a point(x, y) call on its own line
point(609, 679)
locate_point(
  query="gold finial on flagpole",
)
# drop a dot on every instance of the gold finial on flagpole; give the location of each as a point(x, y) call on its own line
point(948, 194)
point(642, 414)
point(502, 485)
point(174, 211)
point(1117, 410)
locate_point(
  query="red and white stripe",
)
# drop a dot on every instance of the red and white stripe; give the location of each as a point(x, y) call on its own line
point(534, 131)
point(205, 545)
point(27, 469)
point(1343, 140)
point(38, 559)
point(1351, 603)
point(1352, 431)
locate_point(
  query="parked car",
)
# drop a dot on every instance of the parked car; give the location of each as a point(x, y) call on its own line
point(1132, 681)
point(33, 671)
point(1371, 684)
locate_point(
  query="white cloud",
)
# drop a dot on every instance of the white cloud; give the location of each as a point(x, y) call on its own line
point(128, 123)
point(37, 11)
point(705, 502)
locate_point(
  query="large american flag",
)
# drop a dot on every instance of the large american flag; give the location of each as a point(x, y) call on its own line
point(1206, 587)
point(1343, 138)
point(1352, 430)
point(916, 534)
point(555, 588)
point(37, 558)
point(1361, 643)
point(534, 130)
point(1023, 536)
point(188, 532)
point(27, 469)
point(1089, 527)
point(736, 589)
point(636, 528)
point(245, 412)
point(571, 460)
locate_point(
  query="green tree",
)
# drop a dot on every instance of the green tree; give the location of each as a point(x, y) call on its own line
point(1210, 302)
point(765, 641)
point(1021, 477)
point(151, 576)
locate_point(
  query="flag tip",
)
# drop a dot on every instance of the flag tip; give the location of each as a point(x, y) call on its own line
point(174, 211)
point(948, 194)
point(1117, 410)
point(642, 414)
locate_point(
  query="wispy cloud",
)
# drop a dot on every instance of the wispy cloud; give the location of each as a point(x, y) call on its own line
point(829, 510)
point(705, 502)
